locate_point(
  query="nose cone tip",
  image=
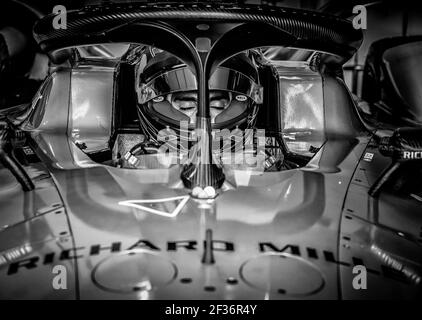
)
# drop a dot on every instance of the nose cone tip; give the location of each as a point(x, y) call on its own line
point(204, 193)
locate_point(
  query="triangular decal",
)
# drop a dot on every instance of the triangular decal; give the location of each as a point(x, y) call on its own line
point(142, 205)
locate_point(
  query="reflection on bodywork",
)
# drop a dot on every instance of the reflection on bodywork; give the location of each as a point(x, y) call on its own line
point(13, 254)
point(90, 119)
point(392, 262)
point(176, 202)
point(302, 108)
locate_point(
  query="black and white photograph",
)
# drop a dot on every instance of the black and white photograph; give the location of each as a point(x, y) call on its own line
point(211, 155)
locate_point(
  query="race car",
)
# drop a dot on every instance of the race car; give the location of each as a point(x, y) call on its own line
point(204, 151)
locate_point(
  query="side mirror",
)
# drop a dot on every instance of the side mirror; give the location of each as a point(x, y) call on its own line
point(404, 146)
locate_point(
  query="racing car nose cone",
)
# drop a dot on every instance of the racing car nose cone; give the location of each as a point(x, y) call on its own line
point(206, 193)
point(282, 274)
point(134, 271)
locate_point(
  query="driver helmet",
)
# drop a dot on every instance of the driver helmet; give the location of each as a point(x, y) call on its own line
point(166, 91)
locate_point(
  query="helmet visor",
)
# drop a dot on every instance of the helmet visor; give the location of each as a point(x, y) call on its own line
point(182, 80)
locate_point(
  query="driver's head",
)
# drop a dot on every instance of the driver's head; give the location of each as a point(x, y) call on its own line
point(167, 90)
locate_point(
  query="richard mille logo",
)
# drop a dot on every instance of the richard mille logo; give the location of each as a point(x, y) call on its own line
point(225, 247)
point(413, 155)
